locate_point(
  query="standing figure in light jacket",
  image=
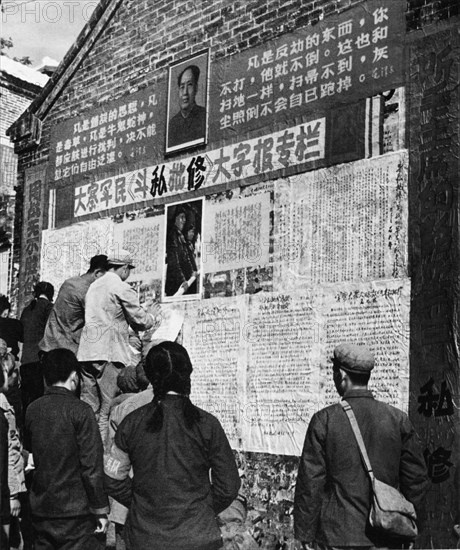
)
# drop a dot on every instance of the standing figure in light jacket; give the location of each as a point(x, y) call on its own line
point(333, 492)
point(111, 307)
point(184, 472)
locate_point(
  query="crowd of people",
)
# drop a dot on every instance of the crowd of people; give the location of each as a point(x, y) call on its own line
point(97, 426)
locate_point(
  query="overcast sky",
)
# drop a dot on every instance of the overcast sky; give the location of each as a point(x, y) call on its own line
point(44, 27)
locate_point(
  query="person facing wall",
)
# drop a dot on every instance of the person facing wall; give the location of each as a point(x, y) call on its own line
point(333, 492)
point(184, 471)
point(34, 318)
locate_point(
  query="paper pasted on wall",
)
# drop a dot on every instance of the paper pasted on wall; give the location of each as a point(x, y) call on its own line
point(144, 239)
point(237, 233)
point(262, 362)
point(345, 56)
point(67, 252)
point(344, 223)
point(213, 332)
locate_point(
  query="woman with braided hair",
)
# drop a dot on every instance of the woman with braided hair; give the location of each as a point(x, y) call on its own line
point(184, 472)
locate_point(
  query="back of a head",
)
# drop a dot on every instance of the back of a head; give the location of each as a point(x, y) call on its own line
point(356, 360)
point(168, 368)
point(44, 289)
point(98, 262)
point(4, 304)
point(58, 365)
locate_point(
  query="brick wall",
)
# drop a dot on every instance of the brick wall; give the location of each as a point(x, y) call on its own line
point(13, 105)
point(133, 52)
point(143, 38)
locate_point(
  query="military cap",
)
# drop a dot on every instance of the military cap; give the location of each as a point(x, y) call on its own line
point(353, 358)
point(123, 257)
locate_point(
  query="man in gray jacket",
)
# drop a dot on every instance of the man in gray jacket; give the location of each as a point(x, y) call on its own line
point(333, 493)
point(111, 307)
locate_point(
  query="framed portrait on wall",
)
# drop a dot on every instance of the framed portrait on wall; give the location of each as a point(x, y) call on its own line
point(187, 111)
point(183, 266)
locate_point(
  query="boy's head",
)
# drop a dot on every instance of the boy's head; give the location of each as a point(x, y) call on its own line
point(60, 367)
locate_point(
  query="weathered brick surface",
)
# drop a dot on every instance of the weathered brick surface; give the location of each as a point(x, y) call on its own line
point(134, 51)
point(12, 106)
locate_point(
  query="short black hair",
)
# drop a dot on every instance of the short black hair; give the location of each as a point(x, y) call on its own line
point(359, 379)
point(4, 304)
point(2, 378)
point(98, 262)
point(195, 71)
point(58, 365)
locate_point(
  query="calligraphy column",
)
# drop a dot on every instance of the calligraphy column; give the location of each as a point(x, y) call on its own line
point(434, 258)
point(32, 226)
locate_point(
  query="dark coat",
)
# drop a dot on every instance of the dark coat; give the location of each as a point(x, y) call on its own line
point(4, 489)
point(12, 332)
point(62, 433)
point(172, 503)
point(33, 319)
point(180, 267)
point(184, 130)
point(333, 493)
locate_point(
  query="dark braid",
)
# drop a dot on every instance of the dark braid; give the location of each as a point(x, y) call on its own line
point(168, 368)
point(155, 423)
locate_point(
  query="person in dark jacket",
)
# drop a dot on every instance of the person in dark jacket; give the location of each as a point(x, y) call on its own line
point(67, 498)
point(33, 319)
point(10, 329)
point(333, 493)
point(67, 318)
point(4, 489)
point(184, 471)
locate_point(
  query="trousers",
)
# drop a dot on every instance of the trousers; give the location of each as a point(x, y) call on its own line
point(99, 387)
point(76, 533)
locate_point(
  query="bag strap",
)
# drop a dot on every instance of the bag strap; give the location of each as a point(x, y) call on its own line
point(359, 438)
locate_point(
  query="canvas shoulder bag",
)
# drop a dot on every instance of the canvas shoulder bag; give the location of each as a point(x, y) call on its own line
point(390, 514)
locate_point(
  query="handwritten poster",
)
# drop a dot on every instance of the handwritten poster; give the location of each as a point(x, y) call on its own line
point(67, 252)
point(344, 223)
point(236, 233)
point(144, 239)
point(377, 315)
point(262, 362)
point(212, 336)
point(282, 371)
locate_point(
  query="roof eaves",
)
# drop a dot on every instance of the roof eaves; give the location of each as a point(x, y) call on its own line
point(80, 48)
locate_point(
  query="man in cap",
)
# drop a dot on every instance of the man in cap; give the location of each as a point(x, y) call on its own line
point(333, 493)
point(67, 318)
point(111, 307)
